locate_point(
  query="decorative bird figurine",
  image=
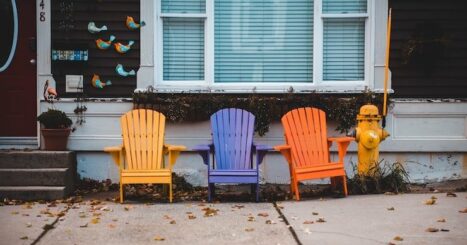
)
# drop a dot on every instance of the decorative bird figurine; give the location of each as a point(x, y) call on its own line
point(132, 25)
point(121, 48)
point(97, 82)
point(101, 44)
point(92, 28)
point(50, 94)
point(119, 69)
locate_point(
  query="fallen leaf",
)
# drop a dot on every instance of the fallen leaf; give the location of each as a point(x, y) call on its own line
point(314, 213)
point(389, 193)
point(82, 214)
point(167, 217)
point(441, 220)
point(29, 224)
point(47, 227)
point(249, 229)
point(431, 229)
point(191, 216)
point(126, 208)
point(159, 238)
point(445, 230)
point(25, 214)
point(24, 238)
point(398, 238)
point(321, 220)
point(308, 222)
point(263, 214)
point(430, 201)
point(391, 243)
point(239, 206)
point(15, 212)
point(105, 209)
point(451, 194)
point(114, 220)
point(84, 226)
point(111, 226)
point(270, 222)
point(172, 222)
point(201, 204)
point(95, 220)
point(390, 209)
point(251, 218)
point(208, 212)
point(463, 210)
point(434, 198)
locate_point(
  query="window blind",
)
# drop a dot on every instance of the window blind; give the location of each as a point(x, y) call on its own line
point(344, 49)
point(263, 41)
point(183, 6)
point(344, 6)
point(183, 46)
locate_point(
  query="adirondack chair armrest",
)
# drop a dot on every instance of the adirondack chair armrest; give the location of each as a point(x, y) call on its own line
point(261, 151)
point(174, 152)
point(285, 150)
point(342, 144)
point(203, 151)
point(116, 152)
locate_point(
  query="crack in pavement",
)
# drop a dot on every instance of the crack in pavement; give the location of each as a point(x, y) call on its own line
point(50, 226)
point(291, 229)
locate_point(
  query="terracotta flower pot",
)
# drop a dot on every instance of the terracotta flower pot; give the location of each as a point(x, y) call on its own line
point(55, 139)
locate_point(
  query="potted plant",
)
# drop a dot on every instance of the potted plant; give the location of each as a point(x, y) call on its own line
point(55, 129)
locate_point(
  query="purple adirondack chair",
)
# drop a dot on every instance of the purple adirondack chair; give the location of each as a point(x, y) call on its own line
point(233, 149)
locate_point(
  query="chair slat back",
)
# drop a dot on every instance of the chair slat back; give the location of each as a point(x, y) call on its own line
point(143, 139)
point(305, 131)
point(232, 132)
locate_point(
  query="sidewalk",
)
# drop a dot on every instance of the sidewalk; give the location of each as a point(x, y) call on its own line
point(367, 219)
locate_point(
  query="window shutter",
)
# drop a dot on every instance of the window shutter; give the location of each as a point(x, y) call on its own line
point(183, 46)
point(263, 41)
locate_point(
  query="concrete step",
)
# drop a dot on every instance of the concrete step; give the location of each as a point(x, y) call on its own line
point(28, 193)
point(37, 159)
point(37, 177)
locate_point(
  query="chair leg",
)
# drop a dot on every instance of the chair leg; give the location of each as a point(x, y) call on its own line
point(121, 192)
point(170, 192)
point(210, 190)
point(297, 192)
point(257, 192)
point(344, 183)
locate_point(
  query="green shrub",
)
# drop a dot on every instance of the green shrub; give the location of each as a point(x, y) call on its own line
point(54, 119)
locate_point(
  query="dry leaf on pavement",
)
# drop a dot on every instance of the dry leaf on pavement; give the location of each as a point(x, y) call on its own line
point(320, 220)
point(159, 238)
point(314, 213)
point(172, 222)
point(441, 220)
point(24, 238)
point(451, 194)
point(430, 201)
point(249, 229)
point(432, 229)
point(398, 238)
point(308, 222)
point(463, 210)
point(390, 209)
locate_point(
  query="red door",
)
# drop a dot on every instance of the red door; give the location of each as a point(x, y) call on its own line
point(18, 79)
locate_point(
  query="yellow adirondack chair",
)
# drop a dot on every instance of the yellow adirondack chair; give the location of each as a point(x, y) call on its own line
point(141, 157)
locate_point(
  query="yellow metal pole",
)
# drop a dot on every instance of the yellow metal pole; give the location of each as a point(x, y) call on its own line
point(386, 65)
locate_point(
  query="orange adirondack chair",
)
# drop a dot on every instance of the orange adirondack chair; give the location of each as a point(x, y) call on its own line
point(307, 148)
point(141, 156)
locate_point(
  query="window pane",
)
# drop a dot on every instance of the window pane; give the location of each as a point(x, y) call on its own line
point(344, 6)
point(344, 49)
point(183, 49)
point(263, 40)
point(183, 6)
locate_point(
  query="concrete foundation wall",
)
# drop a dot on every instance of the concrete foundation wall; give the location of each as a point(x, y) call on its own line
point(429, 138)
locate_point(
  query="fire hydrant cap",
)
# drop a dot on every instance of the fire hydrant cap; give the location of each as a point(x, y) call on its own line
point(369, 110)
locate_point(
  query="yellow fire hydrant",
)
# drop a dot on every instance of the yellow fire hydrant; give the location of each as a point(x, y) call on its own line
point(368, 135)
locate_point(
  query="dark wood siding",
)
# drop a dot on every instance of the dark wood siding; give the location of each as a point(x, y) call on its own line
point(445, 78)
point(69, 31)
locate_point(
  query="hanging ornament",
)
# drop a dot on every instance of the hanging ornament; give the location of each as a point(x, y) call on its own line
point(92, 28)
point(119, 69)
point(132, 25)
point(97, 82)
point(121, 48)
point(101, 44)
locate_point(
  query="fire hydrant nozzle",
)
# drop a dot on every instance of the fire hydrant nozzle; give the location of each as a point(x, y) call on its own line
point(368, 135)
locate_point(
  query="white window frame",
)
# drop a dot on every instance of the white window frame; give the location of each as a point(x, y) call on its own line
point(209, 85)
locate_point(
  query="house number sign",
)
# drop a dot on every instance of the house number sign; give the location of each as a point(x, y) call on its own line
point(42, 13)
